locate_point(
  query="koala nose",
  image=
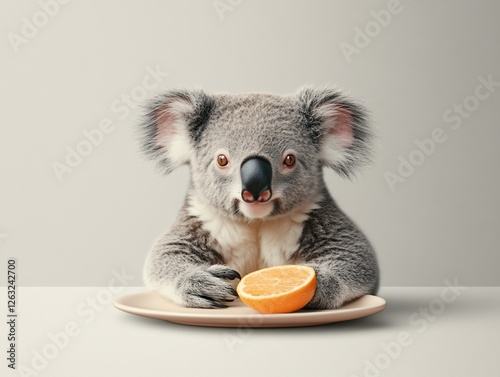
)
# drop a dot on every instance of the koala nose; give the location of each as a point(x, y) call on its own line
point(256, 176)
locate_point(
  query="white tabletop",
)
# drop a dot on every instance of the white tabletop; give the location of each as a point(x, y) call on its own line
point(422, 332)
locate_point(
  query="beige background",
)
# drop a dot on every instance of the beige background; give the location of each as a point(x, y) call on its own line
point(440, 223)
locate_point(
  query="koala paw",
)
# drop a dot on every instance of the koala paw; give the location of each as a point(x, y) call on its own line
point(208, 288)
point(327, 295)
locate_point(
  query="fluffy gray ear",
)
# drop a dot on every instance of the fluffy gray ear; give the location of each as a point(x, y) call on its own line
point(340, 127)
point(173, 124)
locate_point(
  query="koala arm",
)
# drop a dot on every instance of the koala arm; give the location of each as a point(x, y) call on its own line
point(344, 261)
point(184, 267)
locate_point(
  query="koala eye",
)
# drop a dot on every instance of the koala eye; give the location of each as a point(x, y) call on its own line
point(222, 160)
point(289, 160)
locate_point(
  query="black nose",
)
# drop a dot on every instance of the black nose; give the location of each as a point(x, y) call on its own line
point(256, 177)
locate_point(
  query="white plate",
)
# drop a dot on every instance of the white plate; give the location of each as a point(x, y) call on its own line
point(152, 305)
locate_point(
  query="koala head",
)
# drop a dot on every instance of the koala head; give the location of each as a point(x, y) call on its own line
point(257, 155)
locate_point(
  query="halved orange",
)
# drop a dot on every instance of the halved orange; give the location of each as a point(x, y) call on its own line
point(280, 289)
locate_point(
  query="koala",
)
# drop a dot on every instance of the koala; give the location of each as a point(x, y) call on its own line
point(257, 196)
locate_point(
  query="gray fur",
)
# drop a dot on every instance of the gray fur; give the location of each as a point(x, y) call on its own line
point(189, 264)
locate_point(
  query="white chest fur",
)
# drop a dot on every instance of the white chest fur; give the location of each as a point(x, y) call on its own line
point(248, 246)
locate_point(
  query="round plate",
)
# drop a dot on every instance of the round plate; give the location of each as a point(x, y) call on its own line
point(152, 305)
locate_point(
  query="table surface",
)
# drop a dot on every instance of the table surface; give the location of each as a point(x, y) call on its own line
point(75, 331)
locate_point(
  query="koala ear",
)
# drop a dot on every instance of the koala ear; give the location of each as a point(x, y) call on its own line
point(173, 124)
point(339, 125)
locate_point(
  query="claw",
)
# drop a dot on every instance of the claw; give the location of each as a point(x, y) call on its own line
point(236, 275)
point(213, 303)
point(226, 273)
point(233, 291)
